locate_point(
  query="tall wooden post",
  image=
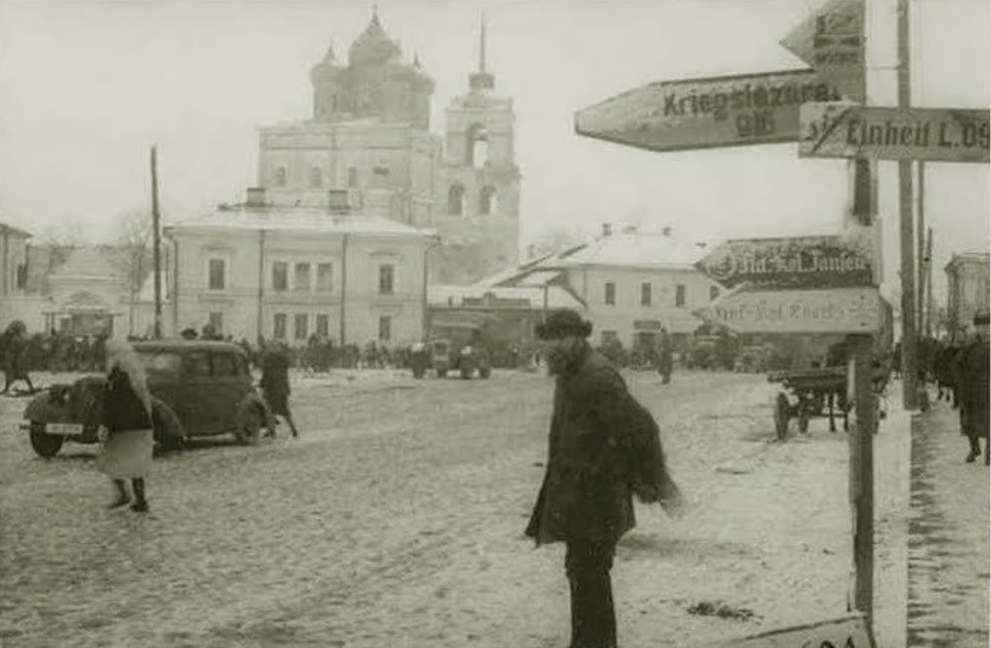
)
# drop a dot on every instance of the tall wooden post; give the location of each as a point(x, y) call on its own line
point(156, 243)
point(862, 471)
point(920, 248)
point(909, 338)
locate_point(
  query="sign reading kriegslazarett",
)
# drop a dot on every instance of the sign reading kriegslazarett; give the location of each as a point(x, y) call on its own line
point(706, 112)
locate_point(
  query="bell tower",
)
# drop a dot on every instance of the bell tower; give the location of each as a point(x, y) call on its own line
point(480, 198)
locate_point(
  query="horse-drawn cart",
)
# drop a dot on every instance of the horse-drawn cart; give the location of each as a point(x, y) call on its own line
point(819, 392)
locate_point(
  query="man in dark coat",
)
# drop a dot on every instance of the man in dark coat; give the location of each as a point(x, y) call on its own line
point(15, 358)
point(665, 357)
point(604, 448)
point(974, 386)
point(275, 383)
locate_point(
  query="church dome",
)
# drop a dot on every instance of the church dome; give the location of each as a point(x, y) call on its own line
point(373, 45)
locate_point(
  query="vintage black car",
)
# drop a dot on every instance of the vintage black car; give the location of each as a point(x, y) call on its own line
point(198, 388)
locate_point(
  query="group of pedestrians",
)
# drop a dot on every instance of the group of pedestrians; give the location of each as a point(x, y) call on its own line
point(962, 372)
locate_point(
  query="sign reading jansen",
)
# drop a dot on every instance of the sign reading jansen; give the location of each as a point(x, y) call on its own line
point(832, 130)
point(797, 262)
point(706, 113)
point(836, 310)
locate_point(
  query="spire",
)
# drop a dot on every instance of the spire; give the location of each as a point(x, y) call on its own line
point(481, 47)
point(416, 61)
point(481, 80)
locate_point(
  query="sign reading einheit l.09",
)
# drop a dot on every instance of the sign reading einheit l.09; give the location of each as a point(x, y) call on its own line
point(935, 134)
point(705, 113)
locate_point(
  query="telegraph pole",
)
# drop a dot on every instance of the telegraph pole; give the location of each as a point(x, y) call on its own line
point(908, 271)
point(156, 243)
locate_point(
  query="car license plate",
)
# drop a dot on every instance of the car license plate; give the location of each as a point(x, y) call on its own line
point(63, 428)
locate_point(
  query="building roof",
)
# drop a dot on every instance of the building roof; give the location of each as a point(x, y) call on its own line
point(528, 297)
point(87, 261)
point(968, 257)
point(9, 230)
point(298, 219)
point(639, 249)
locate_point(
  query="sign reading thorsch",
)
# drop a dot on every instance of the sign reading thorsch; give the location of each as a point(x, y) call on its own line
point(785, 263)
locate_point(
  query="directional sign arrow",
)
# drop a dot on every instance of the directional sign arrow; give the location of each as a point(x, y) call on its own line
point(834, 310)
point(832, 130)
point(783, 263)
point(706, 113)
point(832, 42)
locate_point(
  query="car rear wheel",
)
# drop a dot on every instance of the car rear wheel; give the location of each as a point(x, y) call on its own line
point(46, 445)
point(250, 429)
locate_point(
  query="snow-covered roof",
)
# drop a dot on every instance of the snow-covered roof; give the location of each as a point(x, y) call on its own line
point(639, 249)
point(448, 295)
point(298, 219)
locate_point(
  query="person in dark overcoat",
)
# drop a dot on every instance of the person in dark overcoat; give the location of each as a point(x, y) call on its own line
point(604, 448)
point(15, 356)
point(275, 382)
point(125, 419)
point(974, 387)
point(665, 357)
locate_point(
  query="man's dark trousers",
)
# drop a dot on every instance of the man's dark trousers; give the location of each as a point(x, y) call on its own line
point(593, 619)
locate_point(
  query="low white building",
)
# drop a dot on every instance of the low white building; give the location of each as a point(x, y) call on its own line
point(631, 283)
point(967, 288)
point(288, 273)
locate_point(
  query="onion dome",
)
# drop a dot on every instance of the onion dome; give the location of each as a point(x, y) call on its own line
point(373, 46)
point(328, 68)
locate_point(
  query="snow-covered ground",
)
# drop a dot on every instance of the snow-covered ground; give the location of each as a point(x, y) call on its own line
point(396, 520)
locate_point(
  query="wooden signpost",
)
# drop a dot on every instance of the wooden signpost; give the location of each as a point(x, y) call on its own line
point(835, 310)
point(830, 130)
point(705, 113)
point(806, 285)
point(795, 262)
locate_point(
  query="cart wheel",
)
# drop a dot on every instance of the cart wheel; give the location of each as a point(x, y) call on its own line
point(782, 412)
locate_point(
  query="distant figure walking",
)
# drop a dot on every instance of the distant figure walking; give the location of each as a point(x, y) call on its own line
point(604, 448)
point(665, 357)
point(126, 419)
point(974, 386)
point(275, 383)
point(14, 356)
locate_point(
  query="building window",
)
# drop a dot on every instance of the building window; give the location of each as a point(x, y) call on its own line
point(279, 179)
point(217, 280)
point(610, 294)
point(353, 177)
point(280, 275)
point(609, 337)
point(323, 326)
point(301, 326)
point(455, 200)
point(279, 326)
point(487, 201)
point(22, 276)
point(387, 274)
point(316, 177)
point(217, 322)
point(301, 277)
point(645, 294)
point(325, 277)
point(679, 296)
point(713, 292)
point(385, 328)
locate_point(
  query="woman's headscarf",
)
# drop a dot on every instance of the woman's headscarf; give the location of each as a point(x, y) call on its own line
point(120, 354)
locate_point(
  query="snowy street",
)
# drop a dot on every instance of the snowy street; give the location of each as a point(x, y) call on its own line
point(397, 518)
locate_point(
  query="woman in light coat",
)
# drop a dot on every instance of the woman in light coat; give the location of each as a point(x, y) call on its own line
point(126, 421)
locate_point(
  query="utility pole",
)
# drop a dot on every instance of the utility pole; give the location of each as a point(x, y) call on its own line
point(922, 260)
point(929, 283)
point(909, 340)
point(156, 243)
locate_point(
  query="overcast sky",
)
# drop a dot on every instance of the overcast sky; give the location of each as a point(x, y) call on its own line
point(87, 86)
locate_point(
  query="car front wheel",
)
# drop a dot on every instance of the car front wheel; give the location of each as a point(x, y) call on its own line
point(250, 429)
point(46, 445)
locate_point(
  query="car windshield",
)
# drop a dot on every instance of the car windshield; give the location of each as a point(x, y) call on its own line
point(161, 362)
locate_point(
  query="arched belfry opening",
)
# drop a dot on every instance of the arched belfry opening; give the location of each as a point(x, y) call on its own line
point(456, 199)
point(477, 146)
point(488, 201)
